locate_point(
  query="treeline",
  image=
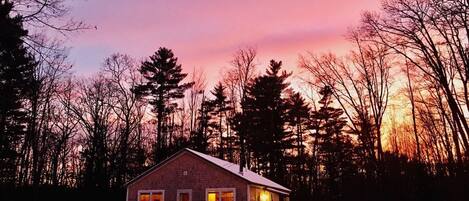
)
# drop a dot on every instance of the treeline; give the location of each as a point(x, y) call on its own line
point(337, 140)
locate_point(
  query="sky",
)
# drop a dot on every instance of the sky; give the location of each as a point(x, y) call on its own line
point(205, 34)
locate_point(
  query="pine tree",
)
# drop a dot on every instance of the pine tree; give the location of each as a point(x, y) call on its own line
point(203, 133)
point(220, 107)
point(298, 118)
point(265, 113)
point(335, 147)
point(16, 75)
point(366, 138)
point(298, 115)
point(163, 76)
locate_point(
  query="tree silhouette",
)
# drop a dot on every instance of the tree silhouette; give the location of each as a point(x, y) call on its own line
point(163, 77)
point(203, 133)
point(265, 115)
point(220, 106)
point(16, 75)
point(335, 148)
point(298, 117)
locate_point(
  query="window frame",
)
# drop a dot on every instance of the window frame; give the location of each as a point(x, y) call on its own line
point(139, 192)
point(219, 191)
point(184, 191)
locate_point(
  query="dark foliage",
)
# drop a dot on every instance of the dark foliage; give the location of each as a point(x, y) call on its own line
point(265, 119)
point(16, 76)
point(163, 84)
point(220, 105)
point(203, 134)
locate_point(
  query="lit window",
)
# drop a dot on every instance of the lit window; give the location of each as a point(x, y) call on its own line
point(152, 195)
point(144, 197)
point(263, 195)
point(156, 197)
point(213, 196)
point(221, 194)
point(227, 196)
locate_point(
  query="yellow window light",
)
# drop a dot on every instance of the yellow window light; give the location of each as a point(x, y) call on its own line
point(265, 196)
point(212, 197)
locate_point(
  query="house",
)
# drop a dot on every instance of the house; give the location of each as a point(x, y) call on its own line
point(193, 176)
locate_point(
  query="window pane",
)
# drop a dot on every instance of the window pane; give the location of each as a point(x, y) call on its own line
point(265, 196)
point(227, 196)
point(144, 197)
point(213, 196)
point(183, 196)
point(157, 197)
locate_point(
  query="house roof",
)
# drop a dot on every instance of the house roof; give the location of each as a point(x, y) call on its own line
point(248, 175)
point(232, 168)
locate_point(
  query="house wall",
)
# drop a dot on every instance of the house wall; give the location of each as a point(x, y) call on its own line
point(201, 174)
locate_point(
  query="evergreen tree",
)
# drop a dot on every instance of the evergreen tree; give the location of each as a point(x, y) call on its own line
point(298, 119)
point(335, 147)
point(203, 134)
point(366, 138)
point(16, 74)
point(163, 77)
point(265, 113)
point(220, 107)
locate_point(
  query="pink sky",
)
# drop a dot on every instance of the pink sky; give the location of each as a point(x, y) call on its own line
point(204, 34)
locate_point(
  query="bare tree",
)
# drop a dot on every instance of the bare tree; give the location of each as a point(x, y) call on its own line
point(41, 101)
point(240, 75)
point(244, 69)
point(412, 103)
point(432, 35)
point(66, 127)
point(121, 72)
point(360, 83)
point(194, 97)
point(94, 110)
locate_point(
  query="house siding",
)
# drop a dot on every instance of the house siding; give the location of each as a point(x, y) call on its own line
point(201, 175)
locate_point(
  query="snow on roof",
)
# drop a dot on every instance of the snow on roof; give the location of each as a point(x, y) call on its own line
point(247, 174)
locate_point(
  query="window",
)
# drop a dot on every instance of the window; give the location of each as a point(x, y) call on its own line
point(263, 195)
point(220, 194)
point(227, 196)
point(151, 195)
point(184, 195)
point(213, 196)
point(144, 197)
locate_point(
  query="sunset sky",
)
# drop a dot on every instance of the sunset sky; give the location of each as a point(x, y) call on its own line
point(205, 34)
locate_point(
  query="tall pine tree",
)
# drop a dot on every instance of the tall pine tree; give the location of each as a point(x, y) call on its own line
point(298, 117)
point(335, 147)
point(16, 74)
point(265, 113)
point(163, 77)
point(203, 134)
point(220, 106)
